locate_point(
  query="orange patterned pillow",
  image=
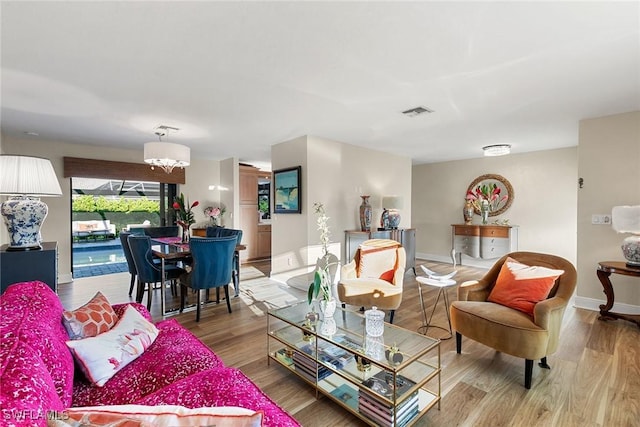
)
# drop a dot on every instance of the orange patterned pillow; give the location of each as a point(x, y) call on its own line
point(521, 287)
point(93, 318)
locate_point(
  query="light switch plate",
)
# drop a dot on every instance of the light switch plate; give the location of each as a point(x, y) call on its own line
point(601, 219)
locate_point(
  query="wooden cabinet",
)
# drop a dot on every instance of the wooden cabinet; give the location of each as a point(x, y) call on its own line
point(406, 237)
point(483, 241)
point(249, 227)
point(264, 241)
point(249, 185)
point(24, 266)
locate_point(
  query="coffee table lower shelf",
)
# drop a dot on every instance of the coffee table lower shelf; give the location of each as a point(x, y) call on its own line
point(344, 394)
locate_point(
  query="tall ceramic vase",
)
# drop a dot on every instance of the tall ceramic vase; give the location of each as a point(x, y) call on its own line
point(365, 214)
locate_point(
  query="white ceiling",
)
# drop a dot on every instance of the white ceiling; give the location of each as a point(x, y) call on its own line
point(238, 77)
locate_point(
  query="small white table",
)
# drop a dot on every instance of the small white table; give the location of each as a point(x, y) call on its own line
point(442, 285)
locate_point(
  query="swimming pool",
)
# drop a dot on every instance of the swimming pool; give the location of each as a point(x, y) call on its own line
point(97, 255)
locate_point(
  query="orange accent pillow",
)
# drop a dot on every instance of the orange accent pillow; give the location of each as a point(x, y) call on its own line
point(93, 318)
point(521, 287)
point(388, 276)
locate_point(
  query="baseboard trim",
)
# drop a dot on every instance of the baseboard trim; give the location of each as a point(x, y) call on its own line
point(594, 305)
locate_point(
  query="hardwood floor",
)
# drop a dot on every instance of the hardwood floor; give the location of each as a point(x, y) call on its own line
point(594, 380)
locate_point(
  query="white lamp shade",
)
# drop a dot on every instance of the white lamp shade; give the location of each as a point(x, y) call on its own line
point(167, 154)
point(626, 219)
point(392, 202)
point(30, 176)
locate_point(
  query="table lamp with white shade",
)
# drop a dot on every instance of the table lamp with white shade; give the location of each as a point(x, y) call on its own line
point(626, 219)
point(26, 179)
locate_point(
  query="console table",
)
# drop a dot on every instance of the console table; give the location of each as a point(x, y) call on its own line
point(24, 266)
point(606, 269)
point(483, 241)
point(406, 237)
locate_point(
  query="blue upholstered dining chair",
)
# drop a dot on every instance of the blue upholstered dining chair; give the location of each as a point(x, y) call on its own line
point(211, 268)
point(225, 232)
point(148, 271)
point(127, 255)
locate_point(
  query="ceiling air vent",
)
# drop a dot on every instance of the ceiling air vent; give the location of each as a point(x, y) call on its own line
point(417, 111)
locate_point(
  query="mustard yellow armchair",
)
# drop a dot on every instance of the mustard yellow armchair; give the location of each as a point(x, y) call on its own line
point(512, 331)
point(375, 276)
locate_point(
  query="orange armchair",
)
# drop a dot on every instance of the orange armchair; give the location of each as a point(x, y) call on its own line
point(512, 331)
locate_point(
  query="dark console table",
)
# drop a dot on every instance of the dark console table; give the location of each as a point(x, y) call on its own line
point(606, 269)
point(24, 266)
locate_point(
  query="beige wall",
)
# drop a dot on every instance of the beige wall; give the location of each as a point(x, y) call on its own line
point(57, 226)
point(609, 163)
point(335, 174)
point(544, 204)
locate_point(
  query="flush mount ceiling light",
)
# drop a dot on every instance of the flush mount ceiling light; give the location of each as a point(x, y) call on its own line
point(497, 150)
point(166, 155)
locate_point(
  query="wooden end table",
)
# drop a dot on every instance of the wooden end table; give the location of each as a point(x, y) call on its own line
point(606, 269)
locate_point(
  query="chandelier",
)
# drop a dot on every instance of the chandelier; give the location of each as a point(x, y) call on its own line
point(166, 155)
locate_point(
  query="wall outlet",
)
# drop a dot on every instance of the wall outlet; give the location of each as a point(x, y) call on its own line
point(289, 261)
point(601, 219)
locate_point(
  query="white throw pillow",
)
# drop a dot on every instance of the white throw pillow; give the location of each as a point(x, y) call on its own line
point(102, 356)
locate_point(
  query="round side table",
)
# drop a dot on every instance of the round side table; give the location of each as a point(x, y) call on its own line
point(442, 285)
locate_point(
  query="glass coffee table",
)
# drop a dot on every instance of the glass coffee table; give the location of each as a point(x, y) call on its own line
point(391, 380)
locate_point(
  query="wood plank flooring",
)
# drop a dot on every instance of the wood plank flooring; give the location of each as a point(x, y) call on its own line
point(594, 380)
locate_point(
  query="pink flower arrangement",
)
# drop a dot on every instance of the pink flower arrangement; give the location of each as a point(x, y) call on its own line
point(214, 213)
point(184, 212)
point(489, 192)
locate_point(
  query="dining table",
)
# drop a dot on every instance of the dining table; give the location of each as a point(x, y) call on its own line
point(173, 249)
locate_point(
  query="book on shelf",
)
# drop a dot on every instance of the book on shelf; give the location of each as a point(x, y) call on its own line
point(372, 406)
point(347, 394)
point(328, 353)
point(383, 421)
point(283, 356)
point(310, 367)
point(348, 342)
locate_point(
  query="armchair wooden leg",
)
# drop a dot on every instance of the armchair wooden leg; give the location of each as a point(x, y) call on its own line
point(528, 373)
point(543, 363)
point(226, 295)
point(458, 343)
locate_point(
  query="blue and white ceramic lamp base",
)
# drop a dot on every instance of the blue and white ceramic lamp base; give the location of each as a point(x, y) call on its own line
point(23, 217)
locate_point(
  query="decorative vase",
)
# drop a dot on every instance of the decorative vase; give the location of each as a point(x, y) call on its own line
point(467, 212)
point(484, 212)
point(328, 327)
point(185, 234)
point(631, 250)
point(328, 307)
point(365, 214)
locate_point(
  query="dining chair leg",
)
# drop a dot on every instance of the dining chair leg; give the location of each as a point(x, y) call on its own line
point(226, 294)
point(150, 293)
point(133, 282)
point(198, 306)
point(140, 291)
point(183, 294)
point(217, 295)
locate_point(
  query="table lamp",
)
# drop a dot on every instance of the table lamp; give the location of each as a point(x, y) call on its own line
point(26, 179)
point(390, 216)
point(626, 219)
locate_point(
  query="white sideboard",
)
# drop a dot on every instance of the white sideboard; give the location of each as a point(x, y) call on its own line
point(483, 241)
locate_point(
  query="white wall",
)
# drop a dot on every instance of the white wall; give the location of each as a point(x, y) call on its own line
point(57, 226)
point(334, 174)
point(609, 163)
point(544, 204)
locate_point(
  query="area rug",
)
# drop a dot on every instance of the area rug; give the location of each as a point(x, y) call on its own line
point(260, 293)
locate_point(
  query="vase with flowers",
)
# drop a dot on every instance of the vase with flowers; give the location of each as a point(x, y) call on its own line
point(215, 213)
point(322, 283)
point(485, 199)
point(184, 215)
